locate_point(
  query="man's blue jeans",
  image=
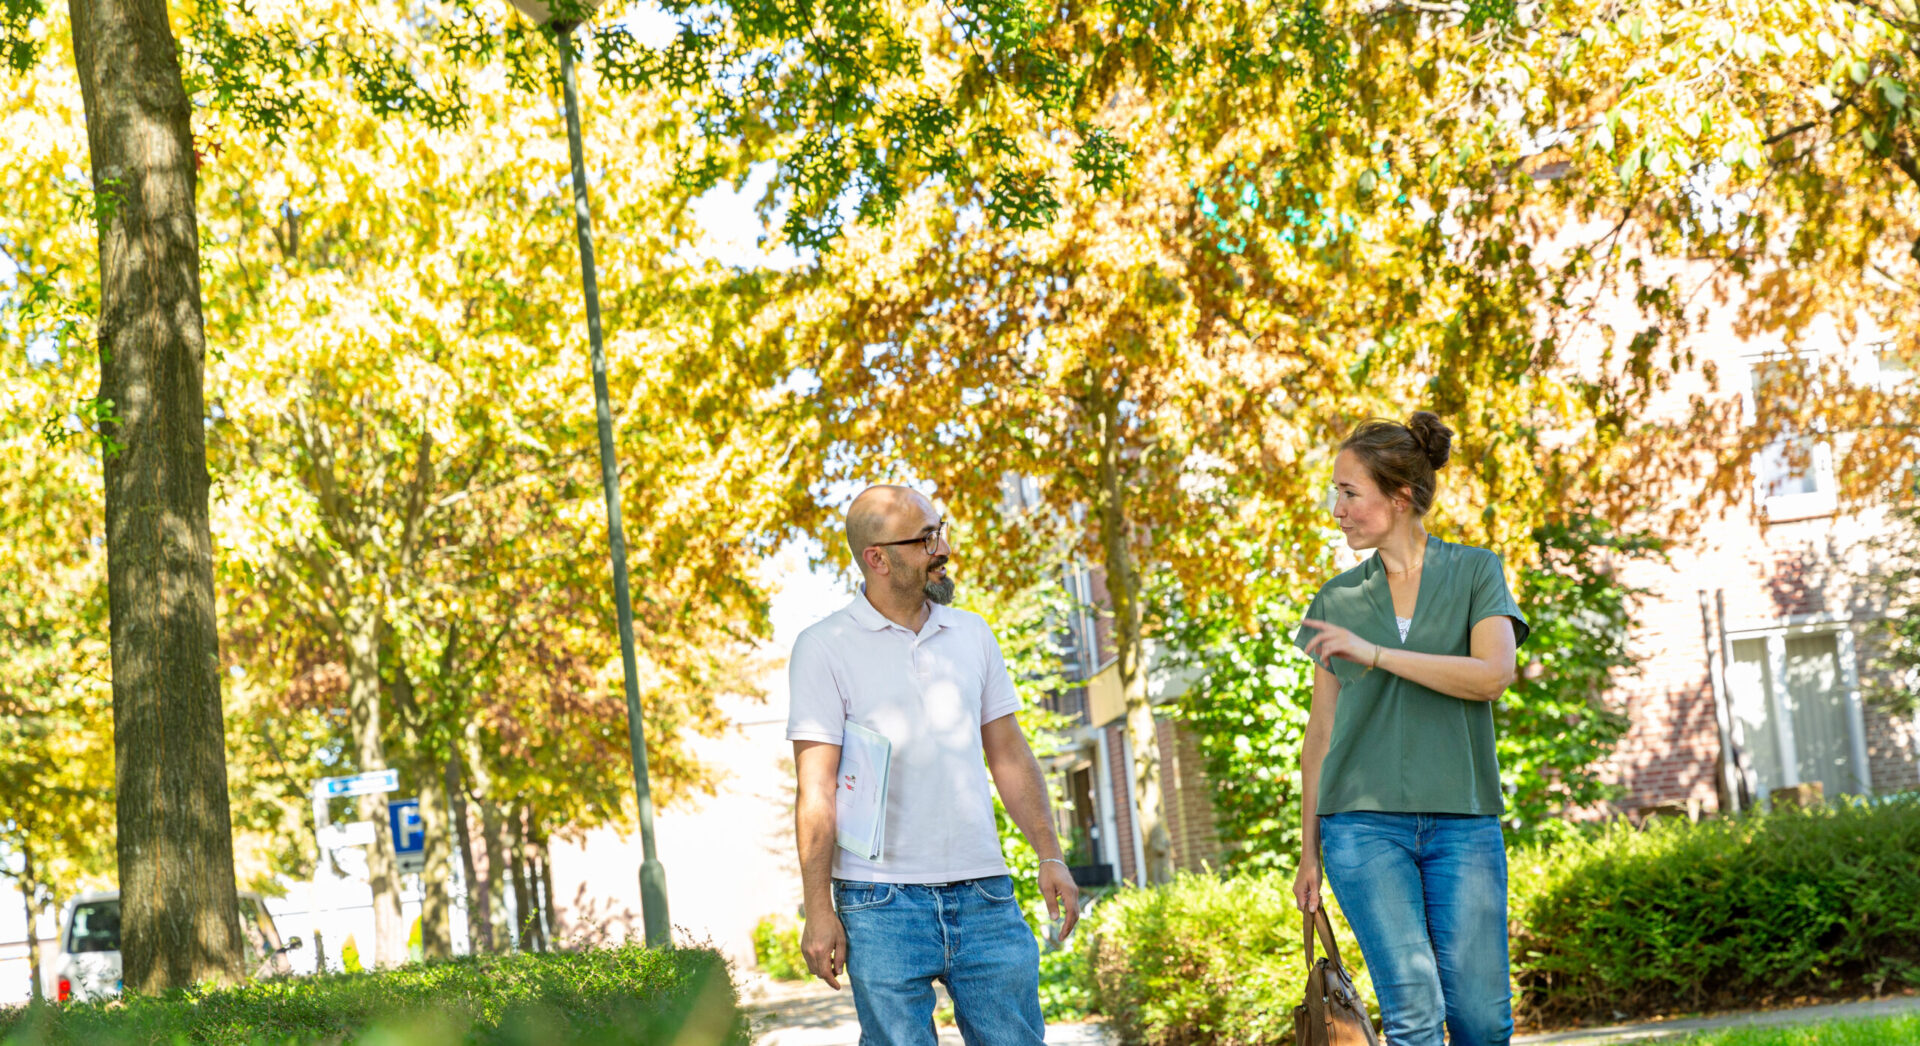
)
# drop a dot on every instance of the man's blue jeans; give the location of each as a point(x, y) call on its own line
point(1426, 895)
point(971, 935)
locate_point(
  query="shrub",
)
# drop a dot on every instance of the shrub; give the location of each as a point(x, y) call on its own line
point(1607, 921)
point(1066, 985)
point(1724, 913)
point(615, 997)
point(350, 956)
point(776, 949)
point(1203, 960)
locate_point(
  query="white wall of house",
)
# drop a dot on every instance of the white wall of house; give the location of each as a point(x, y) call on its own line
point(730, 857)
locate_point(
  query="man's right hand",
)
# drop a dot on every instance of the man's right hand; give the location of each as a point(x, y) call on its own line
point(823, 941)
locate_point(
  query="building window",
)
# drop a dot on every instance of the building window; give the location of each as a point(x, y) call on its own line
point(1794, 480)
point(1894, 369)
point(1793, 475)
point(1796, 709)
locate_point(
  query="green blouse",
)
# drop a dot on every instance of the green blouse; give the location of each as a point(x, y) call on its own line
point(1397, 746)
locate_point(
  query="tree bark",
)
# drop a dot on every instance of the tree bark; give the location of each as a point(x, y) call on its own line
point(493, 872)
point(364, 713)
point(479, 934)
point(494, 832)
point(528, 914)
point(1123, 587)
point(546, 889)
point(426, 764)
point(436, 920)
point(179, 912)
point(29, 889)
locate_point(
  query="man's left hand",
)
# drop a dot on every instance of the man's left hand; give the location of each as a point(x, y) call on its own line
point(1062, 894)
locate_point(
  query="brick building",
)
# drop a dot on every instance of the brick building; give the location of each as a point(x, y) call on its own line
point(1753, 652)
point(1754, 645)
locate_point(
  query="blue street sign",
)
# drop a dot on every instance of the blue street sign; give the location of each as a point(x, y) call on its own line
point(409, 836)
point(369, 783)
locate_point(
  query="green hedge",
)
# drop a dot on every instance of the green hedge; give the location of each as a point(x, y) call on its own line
point(624, 996)
point(1203, 960)
point(1677, 918)
point(776, 949)
point(1726, 913)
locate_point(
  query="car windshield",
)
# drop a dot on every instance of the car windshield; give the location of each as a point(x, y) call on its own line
point(96, 927)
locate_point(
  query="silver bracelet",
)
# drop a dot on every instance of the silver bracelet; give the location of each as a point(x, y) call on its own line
point(1055, 860)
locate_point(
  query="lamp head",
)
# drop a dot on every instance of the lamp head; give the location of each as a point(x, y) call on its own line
point(567, 12)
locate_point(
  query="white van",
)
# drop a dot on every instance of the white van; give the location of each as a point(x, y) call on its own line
point(89, 963)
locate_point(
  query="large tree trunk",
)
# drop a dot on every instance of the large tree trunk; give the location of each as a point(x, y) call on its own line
point(1123, 586)
point(179, 913)
point(527, 912)
point(493, 878)
point(479, 934)
point(436, 920)
point(436, 924)
point(29, 889)
point(494, 832)
point(364, 707)
point(545, 852)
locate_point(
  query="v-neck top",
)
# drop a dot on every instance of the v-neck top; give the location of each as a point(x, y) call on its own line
point(1399, 747)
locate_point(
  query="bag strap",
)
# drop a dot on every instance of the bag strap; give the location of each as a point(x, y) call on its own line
point(1317, 920)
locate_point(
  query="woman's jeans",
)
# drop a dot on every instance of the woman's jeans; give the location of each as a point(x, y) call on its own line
point(970, 934)
point(1426, 895)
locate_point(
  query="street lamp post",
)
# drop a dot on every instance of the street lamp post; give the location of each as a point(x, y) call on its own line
point(653, 877)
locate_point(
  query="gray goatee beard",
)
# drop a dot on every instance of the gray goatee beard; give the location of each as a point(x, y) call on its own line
point(940, 591)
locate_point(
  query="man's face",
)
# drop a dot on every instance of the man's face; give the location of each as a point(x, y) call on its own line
point(913, 566)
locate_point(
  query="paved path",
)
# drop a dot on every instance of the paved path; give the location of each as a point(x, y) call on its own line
point(787, 1013)
point(1662, 1030)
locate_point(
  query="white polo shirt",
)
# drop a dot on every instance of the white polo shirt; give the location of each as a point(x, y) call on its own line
point(929, 694)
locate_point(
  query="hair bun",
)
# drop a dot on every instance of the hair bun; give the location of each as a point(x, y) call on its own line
point(1433, 435)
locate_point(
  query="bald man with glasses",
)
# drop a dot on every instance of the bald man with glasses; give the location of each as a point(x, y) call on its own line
point(938, 903)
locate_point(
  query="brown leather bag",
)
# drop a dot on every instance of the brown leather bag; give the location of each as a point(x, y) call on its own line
point(1333, 1013)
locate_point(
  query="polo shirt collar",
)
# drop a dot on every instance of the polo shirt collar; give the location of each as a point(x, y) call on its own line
point(871, 619)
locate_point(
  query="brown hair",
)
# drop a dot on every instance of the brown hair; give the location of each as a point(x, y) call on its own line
point(1399, 455)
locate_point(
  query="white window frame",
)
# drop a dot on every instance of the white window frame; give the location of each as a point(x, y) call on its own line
point(1109, 821)
point(1890, 376)
point(1776, 635)
point(1824, 498)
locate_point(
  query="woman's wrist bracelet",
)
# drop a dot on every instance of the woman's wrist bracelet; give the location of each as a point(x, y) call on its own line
point(1376, 655)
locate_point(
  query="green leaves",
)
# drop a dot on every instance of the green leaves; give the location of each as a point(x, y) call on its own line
point(1246, 710)
point(1205, 959)
point(1023, 200)
point(624, 996)
point(1726, 913)
point(1895, 660)
point(1555, 729)
point(1103, 157)
point(19, 48)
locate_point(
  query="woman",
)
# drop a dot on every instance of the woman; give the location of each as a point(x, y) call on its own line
point(1400, 791)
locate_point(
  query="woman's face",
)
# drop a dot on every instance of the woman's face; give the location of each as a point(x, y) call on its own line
point(1366, 516)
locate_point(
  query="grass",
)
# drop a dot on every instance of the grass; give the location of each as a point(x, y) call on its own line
point(1878, 1031)
point(627, 996)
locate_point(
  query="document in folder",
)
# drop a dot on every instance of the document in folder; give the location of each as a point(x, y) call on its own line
point(860, 800)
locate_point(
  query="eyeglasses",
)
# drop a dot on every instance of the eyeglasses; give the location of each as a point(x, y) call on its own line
point(930, 542)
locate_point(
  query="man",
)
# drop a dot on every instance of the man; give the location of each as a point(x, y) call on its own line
point(938, 903)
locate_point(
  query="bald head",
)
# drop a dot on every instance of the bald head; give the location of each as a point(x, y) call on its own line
point(903, 579)
point(886, 512)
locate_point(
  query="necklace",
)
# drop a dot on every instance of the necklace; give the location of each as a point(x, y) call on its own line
point(1404, 573)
